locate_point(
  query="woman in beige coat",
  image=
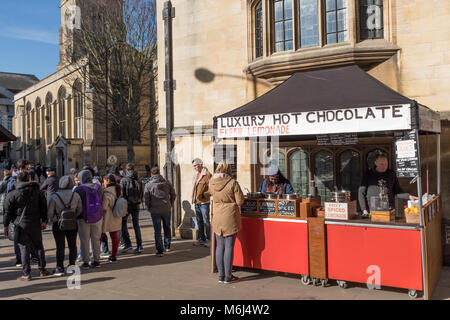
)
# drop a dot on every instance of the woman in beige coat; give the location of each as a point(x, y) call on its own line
point(111, 223)
point(226, 222)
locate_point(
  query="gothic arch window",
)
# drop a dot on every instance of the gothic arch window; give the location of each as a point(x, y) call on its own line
point(48, 117)
point(258, 16)
point(38, 109)
point(78, 108)
point(278, 158)
point(62, 111)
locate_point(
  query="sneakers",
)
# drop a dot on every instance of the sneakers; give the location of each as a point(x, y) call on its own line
point(23, 278)
point(199, 243)
point(58, 272)
point(44, 273)
point(138, 250)
point(126, 248)
point(18, 264)
point(85, 266)
point(221, 279)
point(231, 280)
point(105, 255)
point(206, 244)
point(160, 254)
point(79, 258)
point(167, 249)
point(95, 264)
point(112, 260)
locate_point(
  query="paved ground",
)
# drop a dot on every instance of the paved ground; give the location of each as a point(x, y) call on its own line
point(183, 273)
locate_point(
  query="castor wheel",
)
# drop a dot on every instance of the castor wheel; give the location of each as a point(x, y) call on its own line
point(342, 284)
point(412, 294)
point(315, 281)
point(323, 282)
point(305, 280)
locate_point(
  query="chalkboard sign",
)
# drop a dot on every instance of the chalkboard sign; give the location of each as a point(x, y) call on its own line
point(286, 208)
point(406, 156)
point(267, 207)
point(249, 206)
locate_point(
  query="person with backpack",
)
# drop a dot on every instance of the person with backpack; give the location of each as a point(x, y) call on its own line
point(91, 219)
point(63, 209)
point(7, 176)
point(132, 192)
point(112, 223)
point(26, 208)
point(159, 196)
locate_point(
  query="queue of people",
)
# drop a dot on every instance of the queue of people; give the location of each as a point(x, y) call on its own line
point(77, 205)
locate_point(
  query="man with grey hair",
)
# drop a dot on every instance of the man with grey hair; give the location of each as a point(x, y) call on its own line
point(200, 199)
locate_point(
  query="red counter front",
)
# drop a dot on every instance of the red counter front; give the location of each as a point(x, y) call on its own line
point(357, 254)
point(272, 244)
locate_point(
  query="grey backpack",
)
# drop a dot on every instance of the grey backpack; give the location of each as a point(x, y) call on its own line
point(67, 219)
point(120, 208)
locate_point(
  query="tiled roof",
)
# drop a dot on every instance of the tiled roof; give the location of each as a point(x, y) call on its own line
point(16, 82)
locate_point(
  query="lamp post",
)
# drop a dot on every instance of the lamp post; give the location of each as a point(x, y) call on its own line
point(106, 97)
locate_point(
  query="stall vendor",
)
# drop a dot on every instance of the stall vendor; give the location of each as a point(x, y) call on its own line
point(370, 185)
point(275, 182)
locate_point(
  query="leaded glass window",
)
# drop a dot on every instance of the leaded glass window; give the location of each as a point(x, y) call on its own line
point(371, 19)
point(350, 172)
point(283, 29)
point(259, 30)
point(308, 23)
point(299, 172)
point(324, 174)
point(336, 20)
point(278, 159)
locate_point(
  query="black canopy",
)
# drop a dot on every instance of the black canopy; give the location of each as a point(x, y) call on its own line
point(325, 89)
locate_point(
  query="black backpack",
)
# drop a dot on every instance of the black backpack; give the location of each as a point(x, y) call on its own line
point(133, 192)
point(67, 219)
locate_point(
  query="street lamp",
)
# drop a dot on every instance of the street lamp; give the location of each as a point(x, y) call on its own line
point(107, 49)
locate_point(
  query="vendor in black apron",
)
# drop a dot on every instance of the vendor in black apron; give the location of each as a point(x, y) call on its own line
point(275, 182)
point(370, 185)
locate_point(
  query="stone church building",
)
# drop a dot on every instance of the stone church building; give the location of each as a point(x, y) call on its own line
point(54, 118)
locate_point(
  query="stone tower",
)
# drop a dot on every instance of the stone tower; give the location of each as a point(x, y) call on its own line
point(78, 15)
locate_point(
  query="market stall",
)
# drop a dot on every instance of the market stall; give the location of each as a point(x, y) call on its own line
point(317, 234)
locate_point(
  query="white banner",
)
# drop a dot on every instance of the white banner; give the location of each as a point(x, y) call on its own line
point(382, 118)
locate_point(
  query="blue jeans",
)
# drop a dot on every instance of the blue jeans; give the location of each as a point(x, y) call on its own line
point(202, 212)
point(137, 230)
point(165, 218)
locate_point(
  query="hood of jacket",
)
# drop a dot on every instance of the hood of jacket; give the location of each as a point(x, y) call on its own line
point(26, 185)
point(219, 181)
point(159, 187)
point(85, 176)
point(131, 174)
point(66, 182)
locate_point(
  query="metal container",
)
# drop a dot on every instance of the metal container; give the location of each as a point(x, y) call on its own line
point(271, 195)
point(291, 196)
point(255, 195)
point(340, 196)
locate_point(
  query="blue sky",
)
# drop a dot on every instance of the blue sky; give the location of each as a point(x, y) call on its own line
point(29, 35)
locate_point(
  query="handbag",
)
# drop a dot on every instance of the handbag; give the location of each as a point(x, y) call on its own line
point(13, 229)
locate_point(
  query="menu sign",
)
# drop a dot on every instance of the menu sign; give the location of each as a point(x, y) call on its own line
point(342, 139)
point(286, 208)
point(267, 207)
point(406, 155)
point(249, 206)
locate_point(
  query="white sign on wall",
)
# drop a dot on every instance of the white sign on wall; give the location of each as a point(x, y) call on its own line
point(381, 118)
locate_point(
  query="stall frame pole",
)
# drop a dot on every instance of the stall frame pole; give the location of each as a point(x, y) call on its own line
point(438, 159)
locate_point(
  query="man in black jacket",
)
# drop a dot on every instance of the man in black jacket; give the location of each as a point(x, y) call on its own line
point(132, 192)
point(51, 184)
point(28, 197)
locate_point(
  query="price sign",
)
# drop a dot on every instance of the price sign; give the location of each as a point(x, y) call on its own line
point(249, 206)
point(267, 207)
point(286, 208)
point(406, 155)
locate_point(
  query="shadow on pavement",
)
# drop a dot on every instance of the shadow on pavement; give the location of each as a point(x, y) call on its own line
point(34, 287)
